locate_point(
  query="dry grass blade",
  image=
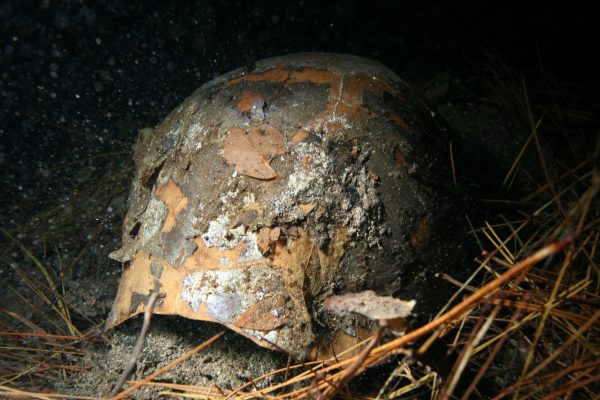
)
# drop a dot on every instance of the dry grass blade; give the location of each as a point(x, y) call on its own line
point(60, 307)
point(476, 336)
point(12, 393)
point(510, 175)
point(476, 297)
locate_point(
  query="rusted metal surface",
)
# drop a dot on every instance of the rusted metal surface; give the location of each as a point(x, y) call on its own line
point(266, 191)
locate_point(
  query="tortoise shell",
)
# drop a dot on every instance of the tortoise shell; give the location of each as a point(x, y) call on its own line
point(267, 190)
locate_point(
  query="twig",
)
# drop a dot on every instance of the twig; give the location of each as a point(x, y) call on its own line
point(137, 350)
point(491, 357)
point(572, 387)
point(575, 336)
point(451, 151)
point(540, 328)
point(548, 378)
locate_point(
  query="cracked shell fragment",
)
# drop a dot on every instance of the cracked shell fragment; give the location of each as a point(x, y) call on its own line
point(267, 191)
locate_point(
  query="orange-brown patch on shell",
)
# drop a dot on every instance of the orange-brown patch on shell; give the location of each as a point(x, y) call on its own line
point(333, 126)
point(272, 75)
point(300, 136)
point(211, 257)
point(342, 344)
point(395, 118)
point(264, 315)
point(351, 96)
point(399, 158)
point(175, 201)
point(346, 93)
point(313, 75)
point(247, 100)
point(142, 285)
point(419, 236)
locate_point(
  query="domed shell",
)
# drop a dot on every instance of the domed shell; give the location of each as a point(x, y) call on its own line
point(267, 190)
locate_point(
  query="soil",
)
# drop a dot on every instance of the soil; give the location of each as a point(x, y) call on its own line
point(229, 363)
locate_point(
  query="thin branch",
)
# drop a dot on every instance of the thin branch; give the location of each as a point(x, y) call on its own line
point(137, 350)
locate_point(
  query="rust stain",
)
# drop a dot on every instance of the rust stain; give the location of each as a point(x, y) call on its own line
point(272, 75)
point(313, 75)
point(305, 162)
point(310, 75)
point(247, 100)
point(300, 136)
point(354, 112)
point(136, 279)
point(174, 199)
point(395, 118)
point(142, 281)
point(345, 94)
point(355, 87)
point(292, 260)
point(307, 208)
point(265, 315)
point(419, 236)
point(204, 257)
point(334, 126)
point(349, 100)
point(399, 158)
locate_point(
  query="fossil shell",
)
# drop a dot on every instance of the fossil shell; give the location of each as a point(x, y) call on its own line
point(266, 191)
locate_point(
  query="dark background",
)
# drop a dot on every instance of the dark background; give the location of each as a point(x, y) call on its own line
point(78, 79)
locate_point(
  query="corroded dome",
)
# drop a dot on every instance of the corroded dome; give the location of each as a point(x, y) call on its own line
point(268, 190)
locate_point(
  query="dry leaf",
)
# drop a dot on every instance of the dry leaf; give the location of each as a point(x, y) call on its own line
point(295, 232)
point(267, 237)
point(252, 151)
point(369, 304)
point(307, 208)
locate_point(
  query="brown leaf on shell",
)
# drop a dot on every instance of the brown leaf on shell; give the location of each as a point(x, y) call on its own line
point(267, 237)
point(295, 232)
point(307, 208)
point(369, 304)
point(251, 151)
